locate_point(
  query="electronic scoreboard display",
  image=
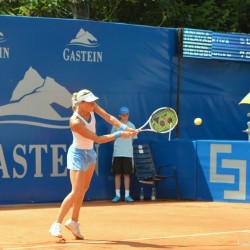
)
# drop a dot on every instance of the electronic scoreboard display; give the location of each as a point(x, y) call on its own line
point(214, 45)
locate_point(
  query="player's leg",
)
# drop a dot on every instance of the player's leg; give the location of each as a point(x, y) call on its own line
point(80, 183)
point(55, 229)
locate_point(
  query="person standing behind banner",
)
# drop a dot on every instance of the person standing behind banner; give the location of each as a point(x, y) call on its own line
point(81, 157)
point(123, 158)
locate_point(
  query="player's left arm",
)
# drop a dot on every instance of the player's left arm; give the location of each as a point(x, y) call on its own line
point(106, 116)
point(111, 119)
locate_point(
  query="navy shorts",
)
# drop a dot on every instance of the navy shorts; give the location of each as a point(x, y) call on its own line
point(122, 165)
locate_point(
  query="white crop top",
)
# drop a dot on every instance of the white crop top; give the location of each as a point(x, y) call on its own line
point(80, 141)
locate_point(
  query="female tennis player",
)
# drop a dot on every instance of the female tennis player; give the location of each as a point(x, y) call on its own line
point(81, 157)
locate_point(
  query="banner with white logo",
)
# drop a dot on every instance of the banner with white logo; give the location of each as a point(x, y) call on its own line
point(222, 171)
point(42, 62)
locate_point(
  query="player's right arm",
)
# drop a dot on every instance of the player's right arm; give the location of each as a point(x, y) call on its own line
point(77, 126)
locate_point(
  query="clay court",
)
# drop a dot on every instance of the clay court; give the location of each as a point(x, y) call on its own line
point(140, 225)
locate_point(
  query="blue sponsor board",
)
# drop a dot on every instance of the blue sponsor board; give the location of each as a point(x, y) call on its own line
point(222, 171)
point(42, 62)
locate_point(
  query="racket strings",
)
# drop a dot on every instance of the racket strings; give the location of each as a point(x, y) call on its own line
point(163, 120)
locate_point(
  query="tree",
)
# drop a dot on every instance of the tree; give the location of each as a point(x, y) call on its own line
point(215, 15)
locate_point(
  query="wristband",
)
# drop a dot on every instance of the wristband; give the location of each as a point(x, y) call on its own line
point(117, 134)
point(123, 127)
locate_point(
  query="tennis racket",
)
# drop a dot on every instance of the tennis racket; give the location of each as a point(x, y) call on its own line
point(162, 120)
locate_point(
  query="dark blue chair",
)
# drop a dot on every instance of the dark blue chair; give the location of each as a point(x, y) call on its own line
point(145, 168)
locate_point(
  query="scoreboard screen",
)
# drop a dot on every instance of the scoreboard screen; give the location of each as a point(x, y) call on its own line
point(197, 43)
point(214, 45)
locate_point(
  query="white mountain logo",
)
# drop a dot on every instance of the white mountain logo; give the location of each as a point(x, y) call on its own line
point(84, 38)
point(2, 39)
point(37, 101)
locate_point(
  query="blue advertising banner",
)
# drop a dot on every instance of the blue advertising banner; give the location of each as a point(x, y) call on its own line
point(42, 62)
point(222, 171)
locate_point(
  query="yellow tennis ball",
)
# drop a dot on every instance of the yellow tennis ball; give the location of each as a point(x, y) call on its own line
point(197, 121)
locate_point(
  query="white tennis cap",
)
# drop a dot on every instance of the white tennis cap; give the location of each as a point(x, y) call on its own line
point(86, 96)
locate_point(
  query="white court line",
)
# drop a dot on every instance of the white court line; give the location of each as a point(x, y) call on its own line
point(137, 239)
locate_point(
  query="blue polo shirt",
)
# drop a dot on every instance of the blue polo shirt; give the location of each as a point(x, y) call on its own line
point(123, 147)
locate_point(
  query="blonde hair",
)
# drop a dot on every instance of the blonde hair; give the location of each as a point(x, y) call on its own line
point(77, 95)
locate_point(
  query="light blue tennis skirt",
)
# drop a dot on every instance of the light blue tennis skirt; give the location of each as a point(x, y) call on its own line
point(80, 159)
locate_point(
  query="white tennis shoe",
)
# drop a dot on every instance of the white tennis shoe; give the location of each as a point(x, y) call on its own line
point(55, 229)
point(73, 226)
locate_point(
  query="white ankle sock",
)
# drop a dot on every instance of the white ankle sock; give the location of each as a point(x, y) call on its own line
point(117, 192)
point(126, 193)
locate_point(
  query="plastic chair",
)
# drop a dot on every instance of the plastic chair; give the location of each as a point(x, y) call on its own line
point(145, 169)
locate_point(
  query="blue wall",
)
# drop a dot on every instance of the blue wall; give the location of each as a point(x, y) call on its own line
point(212, 90)
point(209, 170)
point(43, 61)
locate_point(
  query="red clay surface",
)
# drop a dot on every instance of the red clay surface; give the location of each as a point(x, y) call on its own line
point(141, 225)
